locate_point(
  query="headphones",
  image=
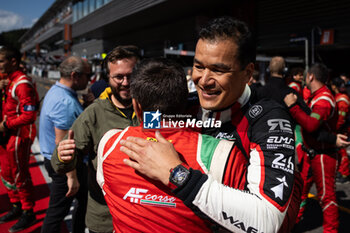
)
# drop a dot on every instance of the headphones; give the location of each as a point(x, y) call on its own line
point(284, 71)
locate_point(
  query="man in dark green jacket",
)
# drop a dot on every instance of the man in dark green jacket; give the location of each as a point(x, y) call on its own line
point(112, 110)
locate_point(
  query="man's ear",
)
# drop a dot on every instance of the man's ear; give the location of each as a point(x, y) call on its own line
point(137, 109)
point(74, 75)
point(311, 77)
point(249, 69)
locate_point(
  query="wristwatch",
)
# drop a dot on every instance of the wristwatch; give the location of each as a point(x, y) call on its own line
point(179, 175)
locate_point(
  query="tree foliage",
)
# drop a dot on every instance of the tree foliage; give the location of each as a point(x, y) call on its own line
point(10, 38)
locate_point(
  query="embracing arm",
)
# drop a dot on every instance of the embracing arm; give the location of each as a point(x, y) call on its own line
point(232, 208)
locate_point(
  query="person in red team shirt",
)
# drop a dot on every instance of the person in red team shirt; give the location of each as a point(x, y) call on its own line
point(323, 161)
point(19, 112)
point(131, 197)
point(298, 77)
point(343, 104)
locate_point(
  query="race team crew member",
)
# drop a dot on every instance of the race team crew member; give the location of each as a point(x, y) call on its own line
point(19, 110)
point(256, 187)
point(324, 160)
point(131, 197)
point(298, 77)
point(343, 103)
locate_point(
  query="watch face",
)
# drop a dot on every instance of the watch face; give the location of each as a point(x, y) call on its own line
point(179, 175)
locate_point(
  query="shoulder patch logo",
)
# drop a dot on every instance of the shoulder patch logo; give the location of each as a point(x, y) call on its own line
point(255, 111)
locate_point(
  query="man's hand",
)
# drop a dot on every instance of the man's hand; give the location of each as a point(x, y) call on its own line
point(88, 98)
point(65, 149)
point(153, 159)
point(290, 99)
point(3, 83)
point(2, 127)
point(72, 183)
point(342, 141)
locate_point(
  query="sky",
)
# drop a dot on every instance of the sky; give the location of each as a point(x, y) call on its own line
point(17, 14)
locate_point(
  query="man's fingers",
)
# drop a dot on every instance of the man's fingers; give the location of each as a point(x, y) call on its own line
point(66, 157)
point(70, 134)
point(160, 137)
point(132, 164)
point(69, 193)
point(133, 145)
point(66, 142)
point(129, 152)
point(138, 141)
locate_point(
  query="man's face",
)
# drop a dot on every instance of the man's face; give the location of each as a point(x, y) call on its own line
point(219, 79)
point(119, 73)
point(84, 77)
point(307, 81)
point(344, 78)
point(298, 77)
point(5, 64)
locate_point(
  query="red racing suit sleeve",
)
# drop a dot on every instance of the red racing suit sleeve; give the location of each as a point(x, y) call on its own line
point(321, 110)
point(27, 111)
point(343, 108)
point(271, 188)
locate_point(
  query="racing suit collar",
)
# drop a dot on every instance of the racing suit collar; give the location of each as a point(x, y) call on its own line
point(13, 75)
point(321, 89)
point(226, 115)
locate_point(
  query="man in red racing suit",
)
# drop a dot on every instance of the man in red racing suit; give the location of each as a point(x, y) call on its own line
point(343, 103)
point(322, 159)
point(19, 114)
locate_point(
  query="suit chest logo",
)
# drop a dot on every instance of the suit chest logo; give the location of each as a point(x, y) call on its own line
point(143, 197)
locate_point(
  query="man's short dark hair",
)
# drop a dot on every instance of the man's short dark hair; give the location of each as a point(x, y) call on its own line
point(10, 53)
point(297, 70)
point(338, 82)
point(320, 71)
point(121, 52)
point(159, 84)
point(224, 28)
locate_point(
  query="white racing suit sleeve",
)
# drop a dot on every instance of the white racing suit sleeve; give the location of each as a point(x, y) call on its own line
point(237, 210)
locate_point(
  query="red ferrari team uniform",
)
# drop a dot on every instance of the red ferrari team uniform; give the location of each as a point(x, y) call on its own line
point(139, 204)
point(343, 104)
point(324, 160)
point(20, 108)
point(245, 183)
point(297, 87)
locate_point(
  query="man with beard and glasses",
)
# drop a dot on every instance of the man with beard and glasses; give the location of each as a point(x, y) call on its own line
point(112, 110)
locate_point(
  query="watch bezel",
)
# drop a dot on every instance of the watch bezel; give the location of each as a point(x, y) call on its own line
point(179, 175)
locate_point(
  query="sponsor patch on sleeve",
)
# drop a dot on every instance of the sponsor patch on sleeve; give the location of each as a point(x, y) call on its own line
point(29, 108)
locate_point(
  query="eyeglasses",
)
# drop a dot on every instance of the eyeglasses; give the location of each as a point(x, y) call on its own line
point(119, 78)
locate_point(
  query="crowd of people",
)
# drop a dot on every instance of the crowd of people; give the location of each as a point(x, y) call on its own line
point(250, 172)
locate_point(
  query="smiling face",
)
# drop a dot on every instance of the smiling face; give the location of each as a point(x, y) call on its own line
point(119, 73)
point(6, 65)
point(217, 73)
